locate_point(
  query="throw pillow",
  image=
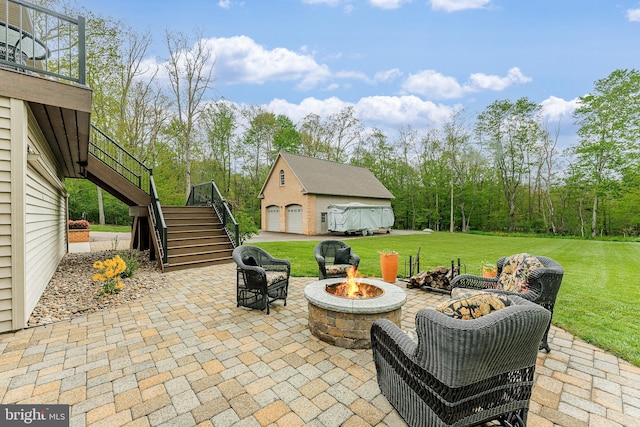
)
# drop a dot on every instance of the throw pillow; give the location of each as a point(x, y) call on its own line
point(250, 261)
point(343, 256)
point(475, 306)
point(515, 272)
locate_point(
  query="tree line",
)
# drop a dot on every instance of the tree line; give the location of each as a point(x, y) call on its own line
point(500, 170)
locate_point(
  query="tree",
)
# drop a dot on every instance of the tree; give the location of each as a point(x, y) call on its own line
point(510, 130)
point(609, 120)
point(190, 75)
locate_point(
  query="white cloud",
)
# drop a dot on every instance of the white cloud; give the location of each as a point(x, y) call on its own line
point(388, 4)
point(383, 112)
point(224, 4)
point(388, 75)
point(396, 111)
point(633, 15)
point(455, 5)
point(241, 60)
point(481, 81)
point(432, 84)
point(557, 109)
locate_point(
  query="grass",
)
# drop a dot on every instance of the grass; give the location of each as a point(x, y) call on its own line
point(111, 228)
point(597, 300)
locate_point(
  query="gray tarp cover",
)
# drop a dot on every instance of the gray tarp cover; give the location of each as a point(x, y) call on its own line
point(352, 217)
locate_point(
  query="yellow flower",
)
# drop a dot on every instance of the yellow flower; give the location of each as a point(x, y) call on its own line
point(98, 264)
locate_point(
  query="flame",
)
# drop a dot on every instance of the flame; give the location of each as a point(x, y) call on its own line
point(351, 285)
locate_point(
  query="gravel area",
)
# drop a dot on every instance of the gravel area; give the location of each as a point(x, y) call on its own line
point(72, 292)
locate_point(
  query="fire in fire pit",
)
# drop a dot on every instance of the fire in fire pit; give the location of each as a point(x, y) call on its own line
point(353, 288)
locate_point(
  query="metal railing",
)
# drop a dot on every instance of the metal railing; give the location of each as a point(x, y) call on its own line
point(40, 41)
point(158, 222)
point(119, 159)
point(207, 194)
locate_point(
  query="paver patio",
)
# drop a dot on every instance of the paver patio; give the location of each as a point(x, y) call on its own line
point(188, 356)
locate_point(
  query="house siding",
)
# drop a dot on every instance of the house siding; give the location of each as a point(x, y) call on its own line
point(283, 195)
point(32, 214)
point(45, 239)
point(6, 311)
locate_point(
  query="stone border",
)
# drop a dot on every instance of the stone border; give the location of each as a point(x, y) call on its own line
point(393, 297)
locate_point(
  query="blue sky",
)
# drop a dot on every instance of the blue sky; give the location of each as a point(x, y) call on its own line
point(398, 62)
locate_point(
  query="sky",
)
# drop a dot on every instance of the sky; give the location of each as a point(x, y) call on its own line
point(399, 63)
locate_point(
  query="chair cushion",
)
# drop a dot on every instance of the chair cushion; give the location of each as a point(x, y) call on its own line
point(249, 260)
point(343, 256)
point(337, 268)
point(274, 277)
point(473, 307)
point(515, 272)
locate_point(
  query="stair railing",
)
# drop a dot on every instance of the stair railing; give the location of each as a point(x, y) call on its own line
point(158, 222)
point(207, 194)
point(120, 160)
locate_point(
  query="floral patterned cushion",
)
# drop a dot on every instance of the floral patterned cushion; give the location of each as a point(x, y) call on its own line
point(336, 268)
point(473, 307)
point(465, 292)
point(515, 272)
point(412, 334)
point(274, 277)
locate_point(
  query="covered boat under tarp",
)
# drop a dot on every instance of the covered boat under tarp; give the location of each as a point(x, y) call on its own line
point(359, 218)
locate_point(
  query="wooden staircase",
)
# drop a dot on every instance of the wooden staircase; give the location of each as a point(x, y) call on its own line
point(195, 238)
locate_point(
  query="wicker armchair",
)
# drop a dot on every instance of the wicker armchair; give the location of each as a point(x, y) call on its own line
point(328, 253)
point(261, 279)
point(461, 372)
point(543, 285)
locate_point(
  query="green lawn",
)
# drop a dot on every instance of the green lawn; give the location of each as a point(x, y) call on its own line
point(111, 228)
point(597, 300)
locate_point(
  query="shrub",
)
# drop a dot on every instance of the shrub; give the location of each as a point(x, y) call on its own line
point(130, 258)
point(109, 274)
point(80, 224)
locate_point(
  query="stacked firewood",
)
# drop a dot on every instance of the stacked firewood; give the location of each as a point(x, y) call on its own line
point(438, 278)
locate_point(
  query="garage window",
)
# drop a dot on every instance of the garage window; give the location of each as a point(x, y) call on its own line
point(281, 177)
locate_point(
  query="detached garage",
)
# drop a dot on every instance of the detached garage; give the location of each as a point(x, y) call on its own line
point(299, 190)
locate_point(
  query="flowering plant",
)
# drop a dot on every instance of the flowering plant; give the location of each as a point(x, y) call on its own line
point(109, 272)
point(81, 224)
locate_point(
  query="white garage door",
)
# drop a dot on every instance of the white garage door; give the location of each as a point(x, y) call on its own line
point(273, 218)
point(294, 219)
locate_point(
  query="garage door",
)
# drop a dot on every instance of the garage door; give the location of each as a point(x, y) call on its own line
point(273, 218)
point(294, 219)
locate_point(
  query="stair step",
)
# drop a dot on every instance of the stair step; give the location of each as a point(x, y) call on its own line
point(195, 228)
point(196, 264)
point(198, 256)
point(177, 219)
point(190, 233)
point(200, 247)
point(187, 210)
point(202, 240)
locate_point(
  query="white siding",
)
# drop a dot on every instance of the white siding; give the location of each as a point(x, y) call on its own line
point(5, 215)
point(45, 211)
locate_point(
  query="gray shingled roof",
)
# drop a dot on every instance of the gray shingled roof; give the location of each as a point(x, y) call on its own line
point(325, 177)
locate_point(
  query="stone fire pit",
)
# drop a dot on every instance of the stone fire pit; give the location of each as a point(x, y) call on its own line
point(346, 322)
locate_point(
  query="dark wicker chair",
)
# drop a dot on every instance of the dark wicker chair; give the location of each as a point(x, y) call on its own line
point(328, 266)
point(543, 286)
point(261, 278)
point(461, 372)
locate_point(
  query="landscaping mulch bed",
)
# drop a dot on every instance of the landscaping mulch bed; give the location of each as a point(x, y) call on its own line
point(72, 292)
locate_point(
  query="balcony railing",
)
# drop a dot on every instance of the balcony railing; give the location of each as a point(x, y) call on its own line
point(40, 41)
